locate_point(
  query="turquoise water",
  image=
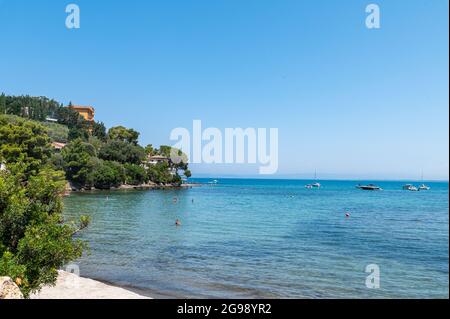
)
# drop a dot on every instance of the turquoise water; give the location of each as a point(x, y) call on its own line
point(269, 239)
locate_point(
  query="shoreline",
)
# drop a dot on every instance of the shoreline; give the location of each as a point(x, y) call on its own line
point(70, 189)
point(71, 286)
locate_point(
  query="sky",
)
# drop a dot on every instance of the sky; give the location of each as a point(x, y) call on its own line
point(349, 102)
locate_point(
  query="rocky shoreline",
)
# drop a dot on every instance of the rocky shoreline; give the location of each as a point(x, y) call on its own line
point(152, 186)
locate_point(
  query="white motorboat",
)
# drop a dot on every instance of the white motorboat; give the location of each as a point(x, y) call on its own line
point(370, 187)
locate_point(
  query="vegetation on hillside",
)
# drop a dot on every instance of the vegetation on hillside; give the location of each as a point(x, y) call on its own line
point(94, 156)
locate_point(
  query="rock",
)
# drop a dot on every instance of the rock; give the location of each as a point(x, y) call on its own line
point(71, 286)
point(8, 289)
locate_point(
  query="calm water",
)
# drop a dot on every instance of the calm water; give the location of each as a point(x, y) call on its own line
point(266, 238)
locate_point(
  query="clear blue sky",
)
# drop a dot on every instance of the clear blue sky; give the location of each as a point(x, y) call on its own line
point(348, 101)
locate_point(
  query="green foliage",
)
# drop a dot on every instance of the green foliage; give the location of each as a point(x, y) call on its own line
point(46, 247)
point(78, 133)
point(34, 241)
point(96, 143)
point(187, 173)
point(3, 103)
point(120, 133)
point(149, 150)
point(79, 162)
point(99, 131)
point(24, 145)
point(160, 173)
point(57, 132)
point(35, 108)
point(108, 174)
point(135, 174)
point(122, 152)
point(71, 118)
point(90, 152)
point(57, 161)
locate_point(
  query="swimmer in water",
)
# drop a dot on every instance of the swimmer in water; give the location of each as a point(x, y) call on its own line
point(347, 215)
point(177, 222)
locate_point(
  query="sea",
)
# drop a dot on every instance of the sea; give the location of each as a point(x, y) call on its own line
point(255, 238)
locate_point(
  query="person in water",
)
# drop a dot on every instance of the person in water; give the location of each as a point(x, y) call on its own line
point(177, 222)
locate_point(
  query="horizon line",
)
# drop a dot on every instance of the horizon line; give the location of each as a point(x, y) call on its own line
point(318, 179)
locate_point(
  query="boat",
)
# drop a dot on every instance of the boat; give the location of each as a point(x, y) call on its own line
point(423, 187)
point(214, 182)
point(369, 187)
point(314, 185)
point(409, 187)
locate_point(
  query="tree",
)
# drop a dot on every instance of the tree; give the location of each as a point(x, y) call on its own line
point(160, 173)
point(149, 150)
point(135, 174)
point(177, 159)
point(77, 133)
point(3, 103)
point(34, 240)
point(187, 173)
point(120, 133)
point(122, 152)
point(79, 162)
point(108, 174)
point(57, 161)
point(99, 130)
point(57, 132)
point(24, 145)
point(78, 126)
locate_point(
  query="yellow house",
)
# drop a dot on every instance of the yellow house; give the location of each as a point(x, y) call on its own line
point(87, 112)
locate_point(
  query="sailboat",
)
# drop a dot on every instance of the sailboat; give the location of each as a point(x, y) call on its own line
point(424, 187)
point(314, 185)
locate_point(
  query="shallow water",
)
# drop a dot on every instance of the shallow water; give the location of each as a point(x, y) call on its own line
point(269, 239)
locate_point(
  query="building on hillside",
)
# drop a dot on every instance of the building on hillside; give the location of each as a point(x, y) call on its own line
point(153, 160)
point(58, 146)
point(87, 112)
point(51, 119)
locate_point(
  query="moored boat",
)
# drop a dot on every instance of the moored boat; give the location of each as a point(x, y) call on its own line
point(369, 187)
point(409, 187)
point(314, 185)
point(424, 187)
